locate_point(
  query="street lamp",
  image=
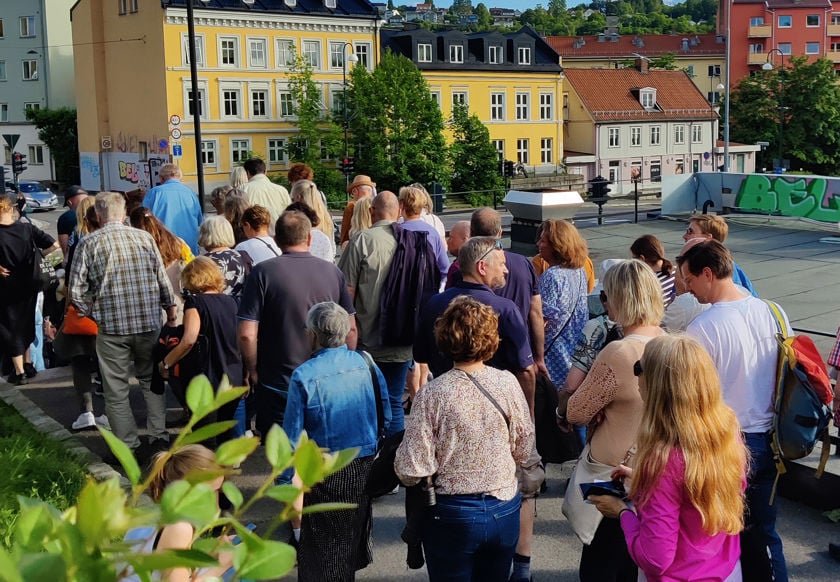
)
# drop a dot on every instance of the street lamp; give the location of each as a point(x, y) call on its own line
point(714, 99)
point(353, 59)
point(199, 166)
point(768, 66)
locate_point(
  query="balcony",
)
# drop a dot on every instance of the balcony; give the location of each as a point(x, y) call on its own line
point(756, 58)
point(833, 30)
point(760, 31)
point(833, 56)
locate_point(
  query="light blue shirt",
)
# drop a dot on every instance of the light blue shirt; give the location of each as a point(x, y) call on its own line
point(177, 207)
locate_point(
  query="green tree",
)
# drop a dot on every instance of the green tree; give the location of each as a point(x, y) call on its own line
point(556, 7)
point(475, 162)
point(57, 129)
point(667, 62)
point(396, 125)
point(485, 21)
point(461, 7)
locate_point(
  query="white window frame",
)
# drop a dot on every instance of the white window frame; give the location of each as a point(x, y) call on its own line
point(262, 43)
point(274, 146)
point(266, 92)
point(696, 133)
point(613, 137)
point(523, 54)
point(546, 150)
point(679, 134)
point(202, 97)
point(523, 106)
point(424, 52)
point(235, 147)
point(547, 106)
point(835, 18)
point(284, 52)
point(200, 60)
point(308, 53)
point(36, 155)
point(789, 21)
point(210, 147)
point(647, 98)
point(33, 105)
point(460, 96)
point(757, 21)
point(636, 136)
point(234, 88)
point(223, 40)
point(436, 96)
point(456, 53)
point(497, 106)
point(495, 54)
point(29, 69)
point(363, 50)
point(787, 50)
point(27, 26)
point(337, 55)
point(499, 145)
point(656, 170)
point(812, 52)
point(285, 104)
point(134, 6)
point(2, 70)
point(123, 7)
point(4, 112)
point(522, 147)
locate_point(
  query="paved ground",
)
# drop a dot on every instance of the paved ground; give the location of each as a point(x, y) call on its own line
point(786, 264)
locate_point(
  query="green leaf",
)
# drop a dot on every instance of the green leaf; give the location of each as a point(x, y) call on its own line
point(200, 397)
point(249, 538)
point(195, 504)
point(43, 566)
point(272, 560)
point(235, 451)
point(207, 432)
point(278, 449)
point(284, 493)
point(8, 569)
point(321, 507)
point(335, 462)
point(123, 455)
point(170, 559)
point(101, 511)
point(32, 527)
point(226, 393)
point(309, 463)
point(233, 494)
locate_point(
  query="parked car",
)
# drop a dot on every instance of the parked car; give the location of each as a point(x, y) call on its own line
point(37, 197)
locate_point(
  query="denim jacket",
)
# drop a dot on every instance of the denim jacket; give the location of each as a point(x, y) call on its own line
point(331, 397)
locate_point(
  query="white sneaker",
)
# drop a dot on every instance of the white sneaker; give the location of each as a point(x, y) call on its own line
point(85, 420)
point(103, 422)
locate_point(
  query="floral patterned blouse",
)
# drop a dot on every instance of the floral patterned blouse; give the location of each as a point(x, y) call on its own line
point(454, 431)
point(233, 270)
point(566, 311)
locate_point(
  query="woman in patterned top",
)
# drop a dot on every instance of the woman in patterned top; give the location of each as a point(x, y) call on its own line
point(469, 430)
point(649, 250)
point(215, 236)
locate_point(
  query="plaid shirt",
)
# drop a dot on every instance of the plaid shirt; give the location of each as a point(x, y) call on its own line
point(834, 356)
point(119, 280)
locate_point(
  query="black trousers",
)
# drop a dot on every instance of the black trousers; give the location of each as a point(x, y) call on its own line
point(606, 559)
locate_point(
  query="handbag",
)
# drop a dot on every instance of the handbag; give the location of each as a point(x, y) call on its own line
point(585, 517)
point(75, 324)
point(554, 444)
point(43, 272)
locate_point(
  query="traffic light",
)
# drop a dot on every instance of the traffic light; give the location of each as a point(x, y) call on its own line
point(508, 168)
point(18, 163)
point(342, 164)
point(347, 166)
point(599, 187)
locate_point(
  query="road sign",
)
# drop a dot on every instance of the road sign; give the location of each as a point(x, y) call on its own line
point(175, 133)
point(11, 139)
point(175, 120)
point(163, 144)
point(177, 151)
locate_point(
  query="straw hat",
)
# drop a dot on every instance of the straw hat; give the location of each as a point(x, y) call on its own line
point(360, 180)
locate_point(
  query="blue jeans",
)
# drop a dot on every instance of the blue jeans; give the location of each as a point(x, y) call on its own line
point(759, 488)
point(470, 537)
point(395, 374)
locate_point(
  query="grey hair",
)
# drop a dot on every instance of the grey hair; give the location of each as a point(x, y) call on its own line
point(474, 249)
point(169, 171)
point(238, 177)
point(214, 232)
point(110, 207)
point(330, 323)
point(220, 193)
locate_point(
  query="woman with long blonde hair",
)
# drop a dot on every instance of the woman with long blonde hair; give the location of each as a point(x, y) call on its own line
point(321, 246)
point(690, 469)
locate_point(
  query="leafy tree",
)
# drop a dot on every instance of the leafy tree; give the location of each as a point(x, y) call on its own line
point(57, 129)
point(461, 7)
point(485, 21)
point(475, 162)
point(396, 124)
point(556, 7)
point(667, 62)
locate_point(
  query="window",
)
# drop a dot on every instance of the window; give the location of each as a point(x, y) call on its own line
point(2, 33)
point(133, 6)
point(835, 47)
point(30, 70)
point(2, 70)
point(679, 166)
point(337, 50)
point(456, 53)
point(27, 26)
point(286, 105)
point(696, 133)
point(522, 151)
point(524, 53)
point(128, 6)
point(756, 48)
point(565, 106)
point(656, 170)
point(285, 52)
point(689, 70)
point(714, 70)
point(495, 55)
point(835, 19)
point(647, 98)
point(614, 137)
point(199, 50)
point(259, 103)
point(757, 21)
point(812, 20)
point(276, 150)
point(208, 152)
point(123, 7)
point(635, 136)
point(4, 112)
point(497, 106)
point(256, 53)
point(785, 21)
point(424, 53)
point(435, 97)
point(812, 48)
point(499, 145)
point(459, 97)
point(230, 103)
point(713, 97)
point(362, 52)
point(679, 134)
point(202, 99)
point(784, 48)
point(655, 135)
point(36, 155)
point(547, 106)
point(312, 53)
point(546, 150)
point(522, 106)
point(32, 106)
point(228, 52)
point(239, 149)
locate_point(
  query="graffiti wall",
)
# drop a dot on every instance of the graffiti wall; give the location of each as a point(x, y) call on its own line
point(91, 176)
point(124, 172)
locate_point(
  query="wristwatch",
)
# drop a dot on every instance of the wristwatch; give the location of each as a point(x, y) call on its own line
point(165, 365)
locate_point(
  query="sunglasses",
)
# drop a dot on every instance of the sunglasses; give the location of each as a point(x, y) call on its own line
point(637, 368)
point(602, 296)
point(497, 246)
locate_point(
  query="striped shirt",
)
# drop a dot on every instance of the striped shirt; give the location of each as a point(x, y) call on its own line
point(834, 356)
point(119, 280)
point(669, 292)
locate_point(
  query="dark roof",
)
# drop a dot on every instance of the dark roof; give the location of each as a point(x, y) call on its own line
point(342, 7)
point(649, 45)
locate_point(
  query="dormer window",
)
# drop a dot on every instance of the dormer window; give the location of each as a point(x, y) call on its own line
point(456, 53)
point(647, 97)
point(329, 4)
point(495, 55)
point(424, 53)
point(524, 54)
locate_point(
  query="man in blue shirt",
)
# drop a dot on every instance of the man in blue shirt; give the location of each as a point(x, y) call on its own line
point(176, 206)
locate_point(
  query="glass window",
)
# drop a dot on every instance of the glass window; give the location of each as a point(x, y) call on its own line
point(337, 50)
point(757, 21)
point(2, 33)
point(312, 53)
point(276, 150)
point(835, 47)
point(27, 26)
point(614, 137)
point(435, 97)
point(424, 53)
point(4, 112)
point(256, 53)
point(459, 97)
point(714, 70)
point(2, 70)
point(696, 133)
point(133, 6)
point(208, 152)
point(546, 150)
point(32, 106)
point(362, 52)
point(679, 134)
point(524, 53)
point(259, 103)
point(785, 21)
point(199, 50)
point(656, 170)
point(286, 105)
point(635, 136)
point(499, 145)
point(495, 55)
point(202, 99)
point(812, 48)
point(522, 106)
point(497, 106)
point(835, 19)
point(456, 53)
point(522, 151)
point(230, 103)
point(812, 20)
point(228, 49)
point(784, 48)
point(655, 135)
point(36, 155)
point(285, 52)
point(647, 98)
point(239, 149)
point(547, 106)
point(30, 70)
point(756, 48)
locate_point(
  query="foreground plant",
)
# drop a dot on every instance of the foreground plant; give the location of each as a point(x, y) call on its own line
point(85, 542)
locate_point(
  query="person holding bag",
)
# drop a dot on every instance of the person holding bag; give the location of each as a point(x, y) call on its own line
point(688, 512)
point(608, 401)
point(469, 429)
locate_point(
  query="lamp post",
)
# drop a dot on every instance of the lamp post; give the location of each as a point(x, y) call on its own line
point(197, 104)
point(728, 87)
point(353, 59)
point(714, 99)
point(768, 66)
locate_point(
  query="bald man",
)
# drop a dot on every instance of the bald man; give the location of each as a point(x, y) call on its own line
point(459, 234)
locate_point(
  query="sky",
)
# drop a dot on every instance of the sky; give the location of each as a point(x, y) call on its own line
point(521, 4)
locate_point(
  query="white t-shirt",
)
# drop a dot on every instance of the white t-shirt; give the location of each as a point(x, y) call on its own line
point(322, 246)
point(259, 249)
point(682, 311)
point(741, 338)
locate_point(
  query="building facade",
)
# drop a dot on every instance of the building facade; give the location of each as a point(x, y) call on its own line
point(512, 82)
point(135, 64)
point(36, 72)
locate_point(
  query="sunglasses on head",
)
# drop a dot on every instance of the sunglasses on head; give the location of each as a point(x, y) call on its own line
point(496, 246)
point(637, 368)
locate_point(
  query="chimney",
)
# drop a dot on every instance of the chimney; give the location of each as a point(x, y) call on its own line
point(642, 66)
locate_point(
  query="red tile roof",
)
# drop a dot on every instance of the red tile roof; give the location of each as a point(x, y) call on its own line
point(649, 45)
point(608, 94)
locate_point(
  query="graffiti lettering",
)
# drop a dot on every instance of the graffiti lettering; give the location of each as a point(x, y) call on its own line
point(128, 172)
point(814, 198)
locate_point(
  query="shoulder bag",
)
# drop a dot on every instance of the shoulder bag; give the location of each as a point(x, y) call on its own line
point(43, 272)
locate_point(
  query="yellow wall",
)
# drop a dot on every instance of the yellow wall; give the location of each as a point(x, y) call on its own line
point(579, 127)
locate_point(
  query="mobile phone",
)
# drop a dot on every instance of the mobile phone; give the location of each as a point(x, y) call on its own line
point(613, 488)
point(237, 540)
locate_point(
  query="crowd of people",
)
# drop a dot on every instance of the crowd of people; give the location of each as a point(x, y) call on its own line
point(659, 366)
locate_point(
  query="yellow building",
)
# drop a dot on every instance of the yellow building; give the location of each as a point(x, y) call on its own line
point(512, 82)
point(133, 80)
